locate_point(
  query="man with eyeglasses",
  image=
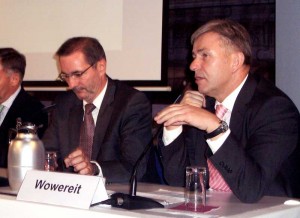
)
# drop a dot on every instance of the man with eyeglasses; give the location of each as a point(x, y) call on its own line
point(15, 102)
point(121, 117)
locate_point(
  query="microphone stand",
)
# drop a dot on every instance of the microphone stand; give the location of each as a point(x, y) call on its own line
point(131, 201)
point(133, 180)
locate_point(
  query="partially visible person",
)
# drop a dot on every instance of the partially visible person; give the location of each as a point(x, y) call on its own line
point(15, 102)
point(121, 118)
point(240, 126)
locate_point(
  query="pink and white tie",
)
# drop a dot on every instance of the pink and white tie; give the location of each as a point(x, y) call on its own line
point(220, 111)
point(216, 180)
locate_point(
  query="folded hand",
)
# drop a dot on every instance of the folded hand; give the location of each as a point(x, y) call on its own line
point(79, 161)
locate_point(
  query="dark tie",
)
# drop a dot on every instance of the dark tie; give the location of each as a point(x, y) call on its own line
point(216, 180)
point(87, 130)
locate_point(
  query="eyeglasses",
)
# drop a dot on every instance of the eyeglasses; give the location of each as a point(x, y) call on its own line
point(77, 74)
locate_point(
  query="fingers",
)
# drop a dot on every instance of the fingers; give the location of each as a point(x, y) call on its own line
point(174, 115)
point(84, 168)
point(194, 98)
point(185, 114)
point(79, 161)
point(166, 113)
point(73, 158)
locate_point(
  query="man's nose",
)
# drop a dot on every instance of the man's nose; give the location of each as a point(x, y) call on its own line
point(72, 82)
point(195, 64)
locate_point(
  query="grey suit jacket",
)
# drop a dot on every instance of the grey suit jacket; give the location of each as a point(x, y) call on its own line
point(261, 154)
point(123, 129)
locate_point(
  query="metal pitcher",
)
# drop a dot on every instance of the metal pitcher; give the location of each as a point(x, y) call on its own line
point(26, 152)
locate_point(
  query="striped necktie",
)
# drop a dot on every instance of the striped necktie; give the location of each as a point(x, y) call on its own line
point(87, 130)
point(220, 111)
point(216, 180)
point(1, 109)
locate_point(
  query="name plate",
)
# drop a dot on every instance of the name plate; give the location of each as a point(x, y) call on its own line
point(64, 189)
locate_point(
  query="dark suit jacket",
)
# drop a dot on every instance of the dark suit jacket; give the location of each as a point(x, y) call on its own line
point(260, 156)
point(123, 129)
point(29, 109)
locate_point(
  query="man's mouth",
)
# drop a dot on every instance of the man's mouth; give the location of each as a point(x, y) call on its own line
point(198, 78)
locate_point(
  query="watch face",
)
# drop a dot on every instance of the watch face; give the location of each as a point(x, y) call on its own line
point(224, 126)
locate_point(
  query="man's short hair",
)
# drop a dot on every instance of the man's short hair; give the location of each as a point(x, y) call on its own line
point(90, 47)
point(231, 32)
point(13, 60)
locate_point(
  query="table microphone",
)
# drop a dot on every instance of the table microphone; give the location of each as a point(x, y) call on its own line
point(131, 201)
point(49, 108)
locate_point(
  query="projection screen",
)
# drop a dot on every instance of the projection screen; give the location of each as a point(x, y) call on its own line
point(131, 32)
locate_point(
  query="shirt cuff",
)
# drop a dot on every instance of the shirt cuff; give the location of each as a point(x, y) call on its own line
point(96, 166)
point(170, 135)
point(216, 144)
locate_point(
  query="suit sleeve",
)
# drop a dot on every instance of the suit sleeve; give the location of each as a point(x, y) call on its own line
point(250, 164)
point(174, 160)
point(187, 149)
point(50, 138)
point(134, 134)
point(57, 133)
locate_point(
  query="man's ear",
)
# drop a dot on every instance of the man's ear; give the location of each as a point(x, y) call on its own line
point(101, 66)
point(238, 59)
point(15, 79)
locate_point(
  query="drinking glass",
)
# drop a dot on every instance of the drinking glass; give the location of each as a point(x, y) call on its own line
point(195, 189)
point(51, 161)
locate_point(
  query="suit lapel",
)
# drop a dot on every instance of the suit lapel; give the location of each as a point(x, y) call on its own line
point(76, 115)
point(13, 111)
point(104, 118)
point(241, 105)
point(239, 109)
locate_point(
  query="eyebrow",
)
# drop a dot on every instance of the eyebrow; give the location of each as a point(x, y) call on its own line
point(76, 71)
point(199, 51)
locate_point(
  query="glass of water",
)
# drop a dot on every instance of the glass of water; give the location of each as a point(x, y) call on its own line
point(195, 189)
point(51, 161)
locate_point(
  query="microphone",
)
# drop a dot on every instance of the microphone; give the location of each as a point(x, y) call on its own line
point(133, 183)
point(48, 108)
point(131, 201)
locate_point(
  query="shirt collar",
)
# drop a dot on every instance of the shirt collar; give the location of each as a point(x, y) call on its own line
point(98, 100)
point(11, 99)
point(230, 99)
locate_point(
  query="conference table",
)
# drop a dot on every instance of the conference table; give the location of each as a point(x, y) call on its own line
point(223, 204)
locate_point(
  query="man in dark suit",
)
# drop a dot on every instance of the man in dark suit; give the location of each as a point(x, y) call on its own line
point(14, 100)
point(122, 116)
point(254, 145)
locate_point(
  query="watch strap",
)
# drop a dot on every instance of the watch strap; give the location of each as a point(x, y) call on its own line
point(221, 129)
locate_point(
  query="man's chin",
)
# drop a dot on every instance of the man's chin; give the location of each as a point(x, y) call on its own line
point(80, 95)
point(199, 82)
point(201, 87)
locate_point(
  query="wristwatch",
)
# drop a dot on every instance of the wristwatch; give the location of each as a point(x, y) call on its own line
point(222, 128)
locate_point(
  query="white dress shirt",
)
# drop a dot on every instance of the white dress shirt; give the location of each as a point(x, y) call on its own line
point(7, 104)
point(97, 102)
